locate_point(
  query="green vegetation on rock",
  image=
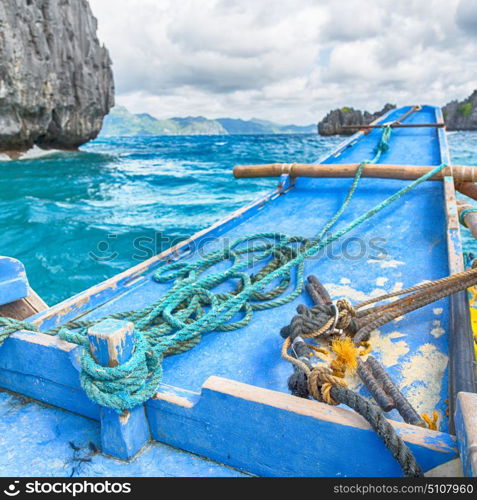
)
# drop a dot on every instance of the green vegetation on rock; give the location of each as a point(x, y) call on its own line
point(461, 115)
point(465, 109)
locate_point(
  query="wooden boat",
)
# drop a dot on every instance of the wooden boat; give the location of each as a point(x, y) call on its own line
point(227, 399)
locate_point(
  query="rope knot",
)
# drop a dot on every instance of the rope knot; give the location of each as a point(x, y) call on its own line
point(320, 382)
point(124, 386)
point(346, 313)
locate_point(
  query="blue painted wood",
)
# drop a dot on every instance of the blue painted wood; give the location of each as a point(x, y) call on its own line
point(40, 366)
point(112, 343)
point(38, 440)
point(269, 434)
point(461, 340)
point(13, 280)
point(201, 423)
point(466, 430)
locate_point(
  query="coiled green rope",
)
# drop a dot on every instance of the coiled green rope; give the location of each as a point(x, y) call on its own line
point(190, 308)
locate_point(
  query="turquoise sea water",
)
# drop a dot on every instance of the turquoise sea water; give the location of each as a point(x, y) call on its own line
point(77, 219)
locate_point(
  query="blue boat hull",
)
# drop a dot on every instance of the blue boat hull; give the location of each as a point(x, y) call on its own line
point(227, 399)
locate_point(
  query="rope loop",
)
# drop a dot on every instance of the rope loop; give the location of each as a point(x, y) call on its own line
point(124, 386)
point(346, 313)
point(320, 381)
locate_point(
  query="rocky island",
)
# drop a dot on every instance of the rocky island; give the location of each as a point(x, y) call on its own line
point(457, 116)
point(334, 121)
point(56, 82)
point(461, 115)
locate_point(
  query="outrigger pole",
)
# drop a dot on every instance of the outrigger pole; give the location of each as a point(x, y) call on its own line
point(394, 125)
point(460, 173)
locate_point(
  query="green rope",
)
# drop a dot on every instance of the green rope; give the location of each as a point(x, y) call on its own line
point(10, 325)
point(190, 308)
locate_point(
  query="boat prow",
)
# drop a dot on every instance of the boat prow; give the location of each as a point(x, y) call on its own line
point(225, 394)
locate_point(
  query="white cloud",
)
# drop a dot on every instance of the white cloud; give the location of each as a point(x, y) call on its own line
point(287, 60)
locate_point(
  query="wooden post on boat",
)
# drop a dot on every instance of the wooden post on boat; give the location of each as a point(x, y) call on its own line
point(17, 299)
point(112, 343)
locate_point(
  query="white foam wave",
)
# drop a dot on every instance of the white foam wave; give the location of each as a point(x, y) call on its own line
point(32, 154)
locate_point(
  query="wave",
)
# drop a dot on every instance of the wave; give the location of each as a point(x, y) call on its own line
point(32, 154)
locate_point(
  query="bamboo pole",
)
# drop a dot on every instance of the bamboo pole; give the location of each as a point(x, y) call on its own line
point(394, 125)
point(382, 171)
point(470, 219)
point(413, 110)
point(467, 188)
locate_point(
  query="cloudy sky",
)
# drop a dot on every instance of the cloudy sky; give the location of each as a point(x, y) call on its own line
point(287, 60)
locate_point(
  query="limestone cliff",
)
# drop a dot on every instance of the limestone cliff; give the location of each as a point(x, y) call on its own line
point(333, 122)
point(461, 115)
point(56, 82)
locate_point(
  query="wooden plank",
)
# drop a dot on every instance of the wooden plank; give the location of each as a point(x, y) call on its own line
point(112, 343)
point(228, 416)
point(454, 244)
point(45, 368)
point(24, 308)
point(466, 428)
point(275, 434)
point(461, 343)
point(343, 170)
point(395, 125)
point(13, 280)
point(442, 137)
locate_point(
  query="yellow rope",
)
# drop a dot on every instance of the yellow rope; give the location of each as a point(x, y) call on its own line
point(432, 422)
point(285, 347)
point(346, 356)
point(320, 382)
point(367, 348)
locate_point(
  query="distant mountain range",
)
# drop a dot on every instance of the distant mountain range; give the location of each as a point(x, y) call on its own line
point(120, 122)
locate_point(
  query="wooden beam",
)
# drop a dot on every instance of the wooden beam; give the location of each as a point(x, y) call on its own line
point(337, 170)
point(237, 424)
point(112, 343)
point(461, 352)
point(413, 110)
point(394, 125)
point(270, 433)
point(24, 308)
point(13, 280)
point(466, 429)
